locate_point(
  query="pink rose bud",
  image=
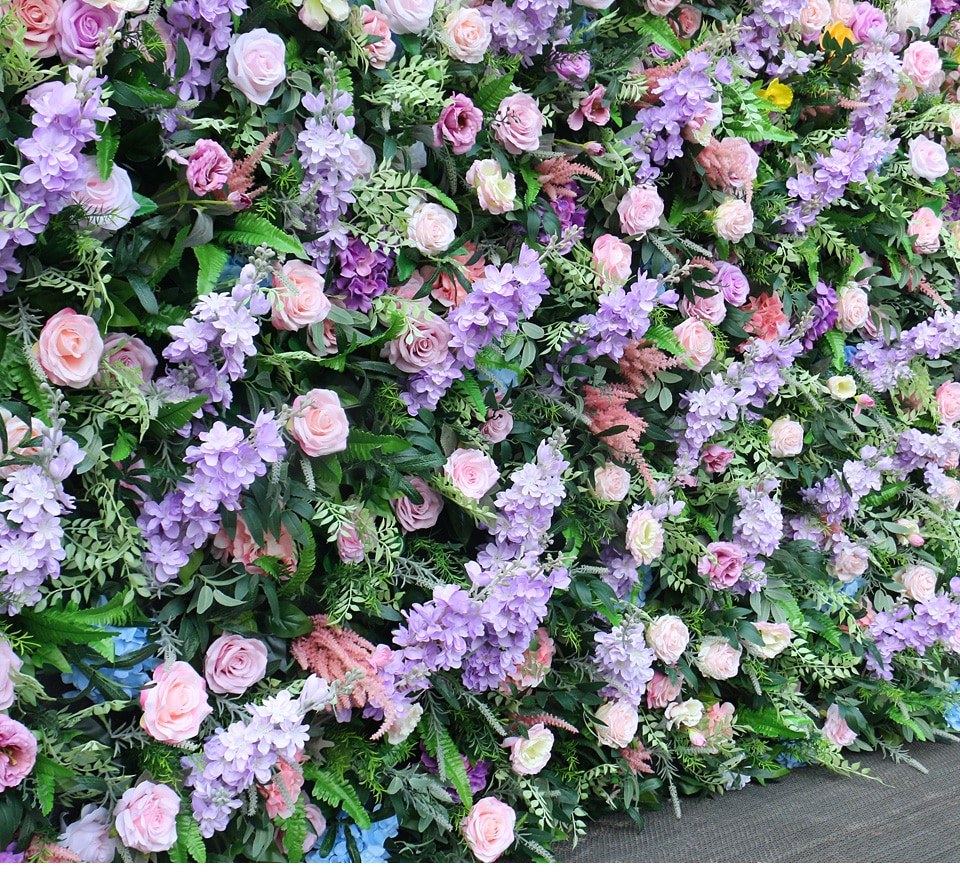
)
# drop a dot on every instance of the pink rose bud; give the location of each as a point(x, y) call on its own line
point(715, 458)
point(175, 703)
point(131, 352)
point(69, 349)
point(208, 167)
point(498, 425)
point(233, 664)
point(835, 729)
point(318, 423)
point(729, 164)
point(712, 310)
point(256, 64)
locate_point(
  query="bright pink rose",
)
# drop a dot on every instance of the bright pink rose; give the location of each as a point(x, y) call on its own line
point(89, 836)
point(668, 637)
point(459, 123)
point(108, 205)
point(299, 299)
point(10, 664)
point(146, 817)
point(925, 225)
point(256, 64)
point(319, 423)
point(661, 691)
point(948, 402)
point(853, 308)
point(488, 829)
point(498, 425)
point(431, 228)
point(711, 309)
point(698, 341)
point(69, 349)
point(81, 29)
point(233, 664)
point(283, 791)
point(208, 167)
point(612, 259)
point(918, 580)
point(466, 34)
point(733, 220)
point(928, 159)
point(376, 24)
point(715, 458)
point(518, 124)
point(422, 344)
point(768, 320)
point(922, 65)
point(591, 109)
point(407, 16)
point(617, 723)
point(729, 164)
point(423, 516)
point(18, 752)
point(175, 703)
point(640, 210)
point(40, 19)
point(471, 472)
point(611, 482)
point(121, 348)
point(717, 658)
point(723, 566)
point(835, 729)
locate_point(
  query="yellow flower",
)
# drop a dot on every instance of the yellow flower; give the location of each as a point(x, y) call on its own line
point(778, 94)
point(840, 32)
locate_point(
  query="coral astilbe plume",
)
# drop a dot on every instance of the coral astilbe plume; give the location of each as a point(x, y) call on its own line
point(607, 409)
point(545, 718)
point(638, 760)
point(557, 173)
point(333, 653)
point(641, 362)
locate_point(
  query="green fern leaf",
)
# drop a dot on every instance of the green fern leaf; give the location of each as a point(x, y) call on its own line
point(665, 340)
point(190, 838)
point(306, 564)
point(173, 416)
point(255, 230)
point(490, 93)
point(333, 790)
point(660, 32)
point(294, 833)
point(211, 259)
point(449, 761)
point(766, 722)
point(834, 341)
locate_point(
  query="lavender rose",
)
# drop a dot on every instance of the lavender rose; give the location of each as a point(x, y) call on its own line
point(233, 664)
point(412, 516)
point(81, 28)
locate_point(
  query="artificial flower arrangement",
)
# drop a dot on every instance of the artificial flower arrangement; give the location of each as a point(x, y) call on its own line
point(429, 425)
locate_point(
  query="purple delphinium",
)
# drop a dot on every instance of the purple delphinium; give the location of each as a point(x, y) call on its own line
point(824, 299)
point(624, 661)
point(525, 27)
point(363, 274)
point(622, 570)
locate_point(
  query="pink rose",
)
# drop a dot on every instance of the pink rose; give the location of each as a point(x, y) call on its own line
point(948, 402)
point(849, 562)
point(498, 425)
point(729, 164)
point(407, 16)
point(256, 64)
point(814, 17)
point(925, 225)
point(81, 29)
point(89, 836)
point(644, 536)
point(244, 549)
point(518, 124)
point(121, 348)
point(423, 516)
point(496, 192)
point(853, 308)
point(10, 664)
point(233, 664)
point(350, 545)
point(208, 167)
point(591, 109)
point(717, 658)
point(471, 472)
point(776, 637)
point(488, 829)
point(688, 20)
point(723, 566)
point(715, 458)
point(466, 34)
point(919, 582)
point(640, 210)
point(299, 300)
point(842, 11)
point(786, 438)
point(617, 724)
point(835, 729)
point(733, 220)
point(376, 24)
point(422, 344)
point(530, 754)
point(175, 703)
point(431, 228)
point(361, 156)
point(660, 7)
point(922, 65)
point(283, 791)
point(928, 159)
point(661, 691)
point(69, 349)
point(611, 482)
point(712, 309)
point(698, 342)
point(668, 637)
point(108, 205)
point(146, 817)
point(459, 123)
point(40, 19)
point(612, 259)
point(571, 67)
point(319, 423)
point(18, 752)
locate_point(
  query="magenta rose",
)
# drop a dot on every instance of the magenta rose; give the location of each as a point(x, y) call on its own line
point(121, 348)
point(518, 124)
point(69, 349)
point(319, 423)
point(723, 566)
point(175, 703)
point(81, 29)
point(471, 472)
point(146, 817)
point(459, 123)
point(412, 516)
point(208, 167)
point(256, 64)
point(423, 343)
point(18, 752)
point(234, 663)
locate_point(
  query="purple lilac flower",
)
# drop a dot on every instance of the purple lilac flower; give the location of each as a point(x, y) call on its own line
point(824, 299)
point(760, 34)
point(625, 662)
point(363, 274)
point(526, 27)
point(758, 526)
point(622, 570)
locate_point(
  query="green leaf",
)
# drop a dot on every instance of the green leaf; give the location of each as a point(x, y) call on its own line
point(306, 564)
point(660, 32)
point(190, 838)
point(289, 622)
point(331, 789)
point(48, 773)
point(835, 342)
point(106, 150)
point(295, 832)
point(767, 723)
point(491, 93)
point(173, 416)
point(141, 96)
point(211, 259)
point(255, 230)
point(449, 761)
point(665, 340)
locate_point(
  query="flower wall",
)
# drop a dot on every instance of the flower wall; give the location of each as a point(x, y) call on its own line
point(432, 425)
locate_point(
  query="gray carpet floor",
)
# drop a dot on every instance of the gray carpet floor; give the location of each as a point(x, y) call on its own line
point(810, 816)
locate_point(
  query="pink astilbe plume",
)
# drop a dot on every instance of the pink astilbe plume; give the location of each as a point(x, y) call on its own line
point(637, 760)
point(48, 852)
point(332, 652)
point(641, 362)
point(555, 174)
point(545, 718)
point(607, 408)
point(241, 176)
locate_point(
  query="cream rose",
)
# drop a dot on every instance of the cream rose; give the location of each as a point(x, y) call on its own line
point(466, 34)
point(256, 64)
point(146, 817)
point(471, 472)
point(668, 637)
point(10, 664)
point(948, 402)
point(918, 580)
point(733, 220)
point(175, 703)
point(618, 723)
point(318, 423)
point(611, 482)
point(488, 829)
point(496, 192)
point(786, 438)
point(925, 225)
point(841, 387)
point(69, 349)
point(644, 536)
point(640, 210)
point(233, 664)
point(530, 754)
point(911, 13)
point(698, 341)
point(683, 713)
point(406, 16)
point(853, 308)
point(298, 300)
point(776, 638)
point(431, 228)
point(717, 658)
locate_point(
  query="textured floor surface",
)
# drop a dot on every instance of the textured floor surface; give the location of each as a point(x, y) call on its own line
point(812, 815)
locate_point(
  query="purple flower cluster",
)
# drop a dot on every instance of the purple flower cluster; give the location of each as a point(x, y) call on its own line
point(624, 661)
point(31, 538)
point(879, 85)
point(761, 32)
point(706, 411)
point(824, 309)
point(491, 309)
point(527, 506)
point(621, 317)
point(758, 526)
point(64, 118)
point(525, 27)
point(838, 497)
point(225, 462)
point(622, 572)
point(363, 274)
point(477, 774)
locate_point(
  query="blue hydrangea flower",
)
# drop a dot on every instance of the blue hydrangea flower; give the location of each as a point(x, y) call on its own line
point(126, 641)
point(952, 715)
point(370, 843)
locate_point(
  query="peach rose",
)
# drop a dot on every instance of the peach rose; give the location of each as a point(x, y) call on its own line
point(612, 259)
point(925, 225)
point(431, 228)
point(256, 64)
point(488, 829)
point(40, 19)
point(422, 344)
point(698, 341)
point(233, 664)
point(412, 516)
point(853, 308)
point(175, 703)
point(69, 349)
point(518, 124)
point(733, 220)
point(244, 549)
point(918, 580)
point(849, 562)
point(407, 16)
point(776, 637)
point(537, 661)
point(644, 536)
point(447, 290)
point(146, 817)
point(496, 192)
point(922, 65)
point(786, 438)
point(661, 691)
point(498, 425)
point(618, 723)
point(948, 402)
point(928, 159)
point(712, 309)
point(835, 729)
point(612, 482)
point(108, 204)
point(668, 637)
point(375, 24)
point(471, 472)
point(299, 300)
point(640, 210)
point(466, 34)
point(530, 754)
point(319, 423)
point(717, 658)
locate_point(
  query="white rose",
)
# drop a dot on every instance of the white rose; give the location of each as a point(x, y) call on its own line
point(786, 438)
point(685, 713)
point(404, 725)
point(841, 387)
point(911, 13)
point(612, 482)
point(644, 536)
point(618, 723)
point(919, 581)
point(776, 638)
point(406, 16)
point(530, 755)
point(431, 228)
